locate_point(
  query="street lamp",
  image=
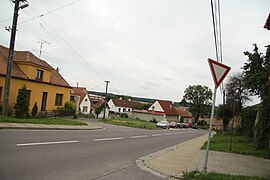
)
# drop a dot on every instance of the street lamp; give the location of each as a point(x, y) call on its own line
point(11, 53)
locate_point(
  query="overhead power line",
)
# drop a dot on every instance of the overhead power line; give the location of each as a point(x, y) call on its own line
point(41, 15)
point(56, 37)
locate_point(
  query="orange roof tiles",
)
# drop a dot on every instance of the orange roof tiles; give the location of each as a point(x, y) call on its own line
point(168, 108)
point(183, 112)
point(81, 91)
point(28, 57)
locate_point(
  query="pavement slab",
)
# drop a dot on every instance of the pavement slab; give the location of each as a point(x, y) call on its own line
point(174, 161)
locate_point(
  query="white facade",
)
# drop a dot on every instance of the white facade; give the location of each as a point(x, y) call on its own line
point(118, 109)
point(85, 105)
point(156, 107)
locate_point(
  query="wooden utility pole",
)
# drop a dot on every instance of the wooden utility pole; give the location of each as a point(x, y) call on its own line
point(11, 55)
point(105, 106)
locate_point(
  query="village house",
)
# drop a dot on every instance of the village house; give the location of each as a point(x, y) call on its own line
point(84, 100)
point(97, 102)
point(163, 110)
point(45, 85)
point(120, 106)
point(184, 115)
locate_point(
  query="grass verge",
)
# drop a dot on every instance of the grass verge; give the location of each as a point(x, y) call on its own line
point(54, 121)
point(217, 176)
point(130, 123)
point(240, 144)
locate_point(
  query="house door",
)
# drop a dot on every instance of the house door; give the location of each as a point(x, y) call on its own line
point(44, 101)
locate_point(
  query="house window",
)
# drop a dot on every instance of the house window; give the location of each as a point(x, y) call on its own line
point(119, 109)
point(58, 99)
point(39, 74)
point(85, 108)
point(85, 100)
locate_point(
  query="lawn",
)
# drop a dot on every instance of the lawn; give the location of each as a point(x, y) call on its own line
point(217, 176)
point(240, 144)
point(54, 121)
point(130, 123)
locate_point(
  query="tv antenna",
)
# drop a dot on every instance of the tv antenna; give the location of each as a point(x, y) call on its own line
point(41, 44)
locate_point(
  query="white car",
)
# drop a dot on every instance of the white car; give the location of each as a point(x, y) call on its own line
point(163, 124)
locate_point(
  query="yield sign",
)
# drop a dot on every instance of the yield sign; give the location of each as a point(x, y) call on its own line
point(218, 70)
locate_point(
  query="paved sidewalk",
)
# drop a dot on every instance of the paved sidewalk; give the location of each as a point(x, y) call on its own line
point(173, 161)
point(89, 126)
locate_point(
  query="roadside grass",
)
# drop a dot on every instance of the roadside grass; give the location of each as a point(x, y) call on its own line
point(53, 121)
point(130, 123)
point(240, 145)
point(217, 176)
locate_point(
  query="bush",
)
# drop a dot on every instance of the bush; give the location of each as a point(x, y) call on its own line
point(10, 111)
point(70, 107)
point(154, 121)
point(22, 103)
point(75, 116)
point(34, 110)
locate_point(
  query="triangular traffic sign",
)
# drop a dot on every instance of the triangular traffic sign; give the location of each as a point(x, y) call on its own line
point(218, 70)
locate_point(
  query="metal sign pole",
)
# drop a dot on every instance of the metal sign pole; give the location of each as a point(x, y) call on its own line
point(210, 131)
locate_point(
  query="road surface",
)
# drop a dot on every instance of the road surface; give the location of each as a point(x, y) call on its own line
point(99, 154)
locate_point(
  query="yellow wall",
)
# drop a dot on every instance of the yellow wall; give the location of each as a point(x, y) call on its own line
point(30, 71)
point(36, 89)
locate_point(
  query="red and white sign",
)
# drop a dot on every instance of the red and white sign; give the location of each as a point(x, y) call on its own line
point(218, 70)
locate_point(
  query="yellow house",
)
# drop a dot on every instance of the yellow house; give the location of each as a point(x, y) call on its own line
point(45, 84)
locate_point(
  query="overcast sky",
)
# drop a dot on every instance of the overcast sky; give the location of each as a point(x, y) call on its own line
point(145, 48)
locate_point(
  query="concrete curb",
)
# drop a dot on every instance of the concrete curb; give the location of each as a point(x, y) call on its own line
point(143, 162)
point(46, 127)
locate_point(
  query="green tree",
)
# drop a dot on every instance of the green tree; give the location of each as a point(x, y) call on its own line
point(225, 112)
point(199, 97)
point(256, 79)
point(248, 116)
point(22, 103)
point(99, 109)
point(34, 110)
point(236, 92)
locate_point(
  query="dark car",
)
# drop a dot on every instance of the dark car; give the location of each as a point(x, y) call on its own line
point(174, 125)
point(185, 125)
point(194, 126)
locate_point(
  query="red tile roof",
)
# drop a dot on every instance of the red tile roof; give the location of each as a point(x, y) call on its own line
point(81, 91)
point(183, 112)
point(96, 102)
point(126, 103)
point(168, 108)
point(28, 57)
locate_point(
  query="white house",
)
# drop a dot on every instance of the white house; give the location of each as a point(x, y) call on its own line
point(84, 102)
point(163, 110)
point(119, 106)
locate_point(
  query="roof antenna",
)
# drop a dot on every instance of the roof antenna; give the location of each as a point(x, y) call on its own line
point(41, 44)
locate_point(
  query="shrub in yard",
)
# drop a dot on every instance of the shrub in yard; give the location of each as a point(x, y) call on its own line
point(155, 121)
point(70, 107)
point(22, 103)
point(10, 111)
point(34, 110)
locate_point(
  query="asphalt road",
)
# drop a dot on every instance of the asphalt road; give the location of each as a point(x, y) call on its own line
point(100, 154)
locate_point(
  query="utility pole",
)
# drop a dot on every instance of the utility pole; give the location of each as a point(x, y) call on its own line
point(11, 54)
point(41, 44)
point(107, 82)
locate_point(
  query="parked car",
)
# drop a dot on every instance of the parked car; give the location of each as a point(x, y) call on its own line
point(163, 124)
point(185, 125)
point(194, 126)
point(174, 125)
